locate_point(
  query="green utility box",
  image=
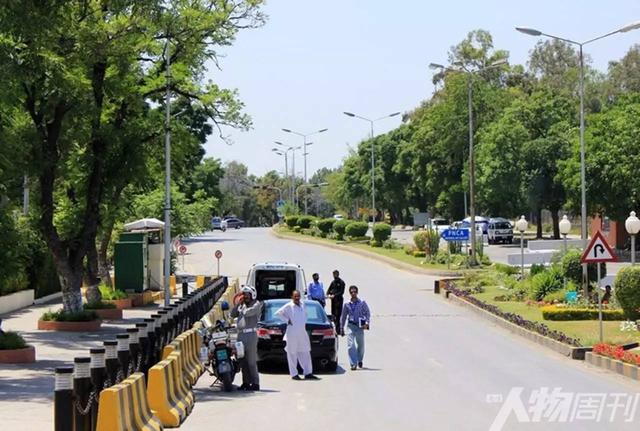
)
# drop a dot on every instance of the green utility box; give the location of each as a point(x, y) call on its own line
point(131, 262)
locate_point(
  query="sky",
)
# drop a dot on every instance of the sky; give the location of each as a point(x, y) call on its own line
point(312, 60)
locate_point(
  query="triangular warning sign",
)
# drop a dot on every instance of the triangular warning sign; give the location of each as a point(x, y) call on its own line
point(598, 250)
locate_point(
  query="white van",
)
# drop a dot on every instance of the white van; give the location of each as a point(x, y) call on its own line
point(274, 280)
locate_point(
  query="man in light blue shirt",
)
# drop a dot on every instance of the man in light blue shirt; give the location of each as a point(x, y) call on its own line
point(315, 291)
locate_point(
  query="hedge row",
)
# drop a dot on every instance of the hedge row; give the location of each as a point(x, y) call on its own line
point(554, 313)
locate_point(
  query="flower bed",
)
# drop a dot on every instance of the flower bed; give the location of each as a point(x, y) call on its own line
point(618, 353)
point(516, 319)
point(82, 321)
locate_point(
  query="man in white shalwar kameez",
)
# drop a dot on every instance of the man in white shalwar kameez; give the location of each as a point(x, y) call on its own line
point(298, 347)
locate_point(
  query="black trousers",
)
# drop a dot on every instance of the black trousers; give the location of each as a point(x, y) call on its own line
point(336, 311)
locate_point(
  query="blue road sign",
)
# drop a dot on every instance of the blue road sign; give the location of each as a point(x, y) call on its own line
point(455, 234)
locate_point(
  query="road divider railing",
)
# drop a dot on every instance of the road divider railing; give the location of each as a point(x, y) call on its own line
point(79, 390)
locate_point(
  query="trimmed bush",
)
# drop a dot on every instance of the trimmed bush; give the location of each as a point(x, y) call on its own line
point(109, 294)
point(381, 232)
point(427, 241)
point(572, 268)
point(61, 316)
point(305, 222)
point(12, 341)
point(552, 312)
point(375, 243)
point(419, 253)
point(291, 221)
point(340, 228)
point(627, 291)
point(296, 229)
point(545, 283)
point(357, 229)
point(99, 305)
point(409, 249)
point(326, 225)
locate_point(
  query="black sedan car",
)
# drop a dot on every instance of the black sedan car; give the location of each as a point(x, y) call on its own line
point(322, 334)
point(234, 222)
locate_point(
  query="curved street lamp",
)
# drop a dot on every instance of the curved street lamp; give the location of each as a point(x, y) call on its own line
point(373, 161)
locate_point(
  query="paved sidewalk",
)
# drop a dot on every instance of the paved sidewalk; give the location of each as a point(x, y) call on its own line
point(26, 390)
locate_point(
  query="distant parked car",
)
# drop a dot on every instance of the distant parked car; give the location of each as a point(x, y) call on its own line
point(218, 224)
point(439, 224)
point(234, 222)
point(499, 230)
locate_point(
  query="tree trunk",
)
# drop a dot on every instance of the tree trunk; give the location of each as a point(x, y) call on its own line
point(70, 281)
point(539, 223)
point(103, 264)
point(92, 265)
point(556, 223)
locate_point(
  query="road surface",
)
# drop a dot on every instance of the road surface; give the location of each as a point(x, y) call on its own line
point(429, 364)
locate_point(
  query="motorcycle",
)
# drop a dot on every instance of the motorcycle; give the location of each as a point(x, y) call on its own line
point(221, 356)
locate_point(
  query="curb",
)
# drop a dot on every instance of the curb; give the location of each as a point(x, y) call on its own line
point(389, 261)
point(614, 365)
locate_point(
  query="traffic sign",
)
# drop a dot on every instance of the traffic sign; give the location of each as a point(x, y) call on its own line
point(598, 250)
point(218, 254)
point(455, 234)
point(182, 249)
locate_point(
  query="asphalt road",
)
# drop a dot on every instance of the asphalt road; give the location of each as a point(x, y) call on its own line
point(429, 364)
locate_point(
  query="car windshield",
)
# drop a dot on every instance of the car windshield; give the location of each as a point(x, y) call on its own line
point(216, 219)
point(502, 225)
point(314, 311)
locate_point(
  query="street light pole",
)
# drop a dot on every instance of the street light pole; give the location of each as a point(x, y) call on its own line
point(286, 168)
point(167, 184)
point(373, 159)
point(472, 212)
point(583, 186)
point(522, 226)
point(304, 146)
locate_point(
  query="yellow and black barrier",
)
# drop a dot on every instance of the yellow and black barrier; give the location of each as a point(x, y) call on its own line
point(187, 344)
point(166, 394)
point(124, 407)
point(82, 404)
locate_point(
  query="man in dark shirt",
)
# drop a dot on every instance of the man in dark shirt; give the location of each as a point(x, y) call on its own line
point(335, 293)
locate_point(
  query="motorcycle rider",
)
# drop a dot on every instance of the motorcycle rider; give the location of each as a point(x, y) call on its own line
point(248, 312)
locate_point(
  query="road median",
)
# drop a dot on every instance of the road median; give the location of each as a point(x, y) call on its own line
point(368, 254)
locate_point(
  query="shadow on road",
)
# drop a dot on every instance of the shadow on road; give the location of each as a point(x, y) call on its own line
point(32, 382)
point(216, 393)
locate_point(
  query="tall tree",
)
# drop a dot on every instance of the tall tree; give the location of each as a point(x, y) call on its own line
point(85, 74)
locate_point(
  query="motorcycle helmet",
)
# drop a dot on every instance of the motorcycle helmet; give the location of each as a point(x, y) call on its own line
point(251, 290)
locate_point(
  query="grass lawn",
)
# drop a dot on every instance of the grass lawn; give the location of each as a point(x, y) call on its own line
point(397, 254)
point(587, 331)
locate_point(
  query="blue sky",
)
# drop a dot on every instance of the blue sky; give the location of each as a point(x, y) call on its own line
point(315, 59)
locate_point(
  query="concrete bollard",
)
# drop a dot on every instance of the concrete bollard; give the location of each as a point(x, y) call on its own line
point(111, 361)
point(124, 357)
point(98, 374)
point(82, 390)
point(436, 287)
point(185, 289)
point(151, 335)
point(63, 399)
point(134, 350)
point(164, 329)
point(143, 339)
point(175, 319)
